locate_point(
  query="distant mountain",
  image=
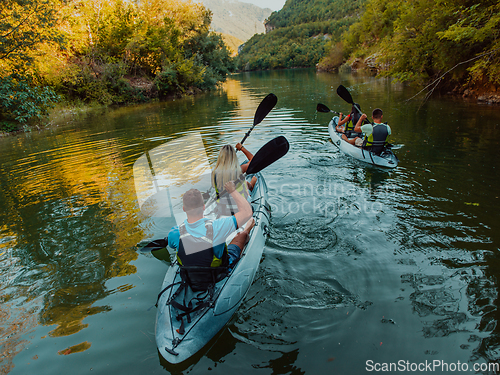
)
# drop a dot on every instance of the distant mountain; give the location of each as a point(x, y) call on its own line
point(300, 34)
point(241, 20)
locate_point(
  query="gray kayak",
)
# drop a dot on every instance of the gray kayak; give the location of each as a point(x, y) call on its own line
point(386, 159)
point(227, 296)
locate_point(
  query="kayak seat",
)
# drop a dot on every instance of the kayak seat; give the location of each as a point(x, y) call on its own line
point(352, 134)
point(200, 279)
point(377, 147)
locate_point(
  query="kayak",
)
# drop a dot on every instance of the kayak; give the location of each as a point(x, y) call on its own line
point(385, 159)
point(175, 343)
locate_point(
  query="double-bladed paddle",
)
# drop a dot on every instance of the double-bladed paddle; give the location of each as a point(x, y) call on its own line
point(269, 153)
point(273, 150)
point(265, 106)
point(346, 95)
point(155, 245)
point(323, 108)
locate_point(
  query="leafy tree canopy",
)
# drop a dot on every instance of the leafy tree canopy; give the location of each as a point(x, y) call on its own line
point(25, 24)
point(106, 51)
point(303, 31)
point(425, 39)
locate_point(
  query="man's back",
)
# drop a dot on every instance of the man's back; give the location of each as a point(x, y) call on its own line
point(221, 229)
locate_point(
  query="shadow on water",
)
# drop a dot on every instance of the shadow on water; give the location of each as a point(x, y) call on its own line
point(215, 350)
point(284, 364)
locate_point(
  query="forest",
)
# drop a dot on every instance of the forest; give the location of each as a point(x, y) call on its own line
point(103, 51)
point(302, 33)
point(290, 47)
point(449, 45)
point(124, 51)
point(453, 44)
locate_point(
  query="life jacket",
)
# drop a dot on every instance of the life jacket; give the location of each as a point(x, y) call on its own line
point(197, 251)
point(375, 142)
point(351, 124)
point(200, 268)
point(226, 206)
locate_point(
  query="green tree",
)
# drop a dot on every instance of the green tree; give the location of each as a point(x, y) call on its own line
point(303, 29)
point(24, 26)
point(477, 28)
point(456, 40)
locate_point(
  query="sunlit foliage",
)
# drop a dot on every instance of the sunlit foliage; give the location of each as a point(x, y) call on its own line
point(424, 39)
point(24, 25)
point(104, 51)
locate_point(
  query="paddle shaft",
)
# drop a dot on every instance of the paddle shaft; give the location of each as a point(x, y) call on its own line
point(265, 106)
point(346, 95)
point(247, 134)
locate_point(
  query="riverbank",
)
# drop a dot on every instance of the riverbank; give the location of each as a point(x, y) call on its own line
point(64, 113)
point(484, 94)
point(60, 114)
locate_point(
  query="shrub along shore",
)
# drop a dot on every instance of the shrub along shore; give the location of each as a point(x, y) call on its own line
point(103, 52)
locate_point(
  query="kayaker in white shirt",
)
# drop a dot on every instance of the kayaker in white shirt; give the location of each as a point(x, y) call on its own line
point(367, 129)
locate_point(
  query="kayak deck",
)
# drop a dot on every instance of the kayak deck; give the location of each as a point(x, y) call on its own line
point(386, 159)
point(227, 295)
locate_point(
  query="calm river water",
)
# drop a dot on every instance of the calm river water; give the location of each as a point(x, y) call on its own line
point(363, 267)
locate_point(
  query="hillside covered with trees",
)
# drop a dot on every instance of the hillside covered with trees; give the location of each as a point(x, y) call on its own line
point(454, 44)
point(103, 51)
point(300, 34)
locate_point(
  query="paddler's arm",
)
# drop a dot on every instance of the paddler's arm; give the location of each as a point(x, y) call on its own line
point(173, 237)
point(247, 153)
point(357, 128)
point(342, 121)
point(244, 209)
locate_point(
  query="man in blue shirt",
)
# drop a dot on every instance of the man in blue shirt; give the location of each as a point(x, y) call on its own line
point(201, 242)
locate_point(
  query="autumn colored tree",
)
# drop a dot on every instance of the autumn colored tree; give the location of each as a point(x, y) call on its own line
point(104, 51)
point(24, 25)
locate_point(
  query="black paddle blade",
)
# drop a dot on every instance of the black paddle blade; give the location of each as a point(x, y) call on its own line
point(155, 245)
point(268, 154)
point(264, 108)
point(322, 108)
point(344, 94)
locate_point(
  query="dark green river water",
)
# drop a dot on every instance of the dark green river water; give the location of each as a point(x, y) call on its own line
point(365, 269)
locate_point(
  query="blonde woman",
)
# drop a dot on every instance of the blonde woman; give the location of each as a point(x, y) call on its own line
point(228, 169)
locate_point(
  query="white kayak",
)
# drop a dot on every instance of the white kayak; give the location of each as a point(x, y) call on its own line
point(228, 293)
point(385, 159)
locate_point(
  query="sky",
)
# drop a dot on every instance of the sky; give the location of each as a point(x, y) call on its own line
point(271, 4)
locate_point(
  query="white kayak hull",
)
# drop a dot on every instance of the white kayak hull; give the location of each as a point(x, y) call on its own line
point(229, 293)
point(387, 159)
